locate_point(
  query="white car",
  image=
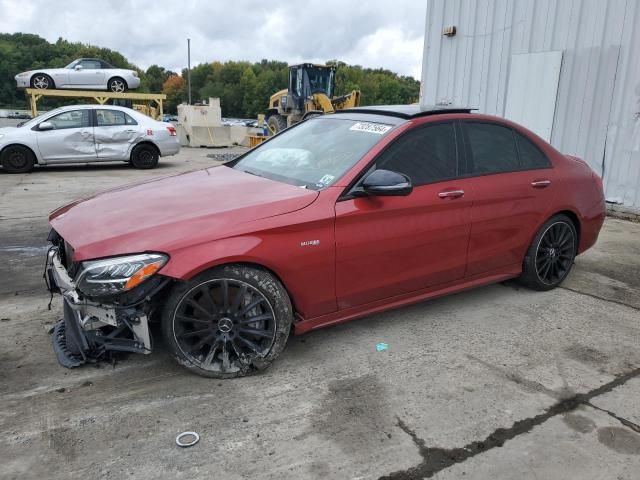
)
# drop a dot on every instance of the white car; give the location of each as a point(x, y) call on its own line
point(87, 134)
point(81, 74)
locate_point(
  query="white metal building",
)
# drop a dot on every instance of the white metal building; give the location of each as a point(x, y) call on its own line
point(567, 69)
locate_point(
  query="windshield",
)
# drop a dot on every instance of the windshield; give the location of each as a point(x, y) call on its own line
point(320, 79)
point(72, 64)
point(315, 153)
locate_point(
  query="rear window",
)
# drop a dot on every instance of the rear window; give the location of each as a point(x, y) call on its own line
point(493, 148)
point(530, 156)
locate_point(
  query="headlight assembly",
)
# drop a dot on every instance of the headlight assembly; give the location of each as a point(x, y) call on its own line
point(118, 274)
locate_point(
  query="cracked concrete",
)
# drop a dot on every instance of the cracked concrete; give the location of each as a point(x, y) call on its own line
point(478, 367)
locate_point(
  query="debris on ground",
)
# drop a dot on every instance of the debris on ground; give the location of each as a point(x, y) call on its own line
point(381, 347)
point(194, 438)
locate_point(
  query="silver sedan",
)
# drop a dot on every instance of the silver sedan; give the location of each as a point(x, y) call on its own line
point(86, 134)
point(81, 74)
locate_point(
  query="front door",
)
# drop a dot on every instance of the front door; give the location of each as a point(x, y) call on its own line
point(88, 73)
point(71, 139)
point(388, 246)
point(513, 189)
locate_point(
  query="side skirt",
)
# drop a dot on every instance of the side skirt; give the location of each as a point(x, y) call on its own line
point(341, 316)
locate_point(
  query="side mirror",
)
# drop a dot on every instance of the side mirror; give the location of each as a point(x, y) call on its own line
point(78, 67)
point(387, 183)
point(45, 126)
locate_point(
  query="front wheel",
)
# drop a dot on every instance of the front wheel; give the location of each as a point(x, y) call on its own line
point(276, 123)
point(227, 322)
point(42, 81)
point(17, 159)
point(551, 254)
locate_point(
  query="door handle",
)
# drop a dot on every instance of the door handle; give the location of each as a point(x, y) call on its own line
point(451, 194)
point(540, 183)
point(130, 131)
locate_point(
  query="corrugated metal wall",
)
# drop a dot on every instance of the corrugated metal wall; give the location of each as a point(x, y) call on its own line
point(597, 114)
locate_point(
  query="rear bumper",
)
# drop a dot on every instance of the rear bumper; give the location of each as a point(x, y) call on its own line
point(169, 147)
point(590, 227)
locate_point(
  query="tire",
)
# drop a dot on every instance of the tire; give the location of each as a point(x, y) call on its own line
point(207, 322)
point(17, 159)
point(42, 81)
point(145, 156)
point(551, 254)
point(276, 124)
point(117, 85)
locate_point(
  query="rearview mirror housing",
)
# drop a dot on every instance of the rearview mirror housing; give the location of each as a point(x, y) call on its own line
point(385, 183)
point(45, 126)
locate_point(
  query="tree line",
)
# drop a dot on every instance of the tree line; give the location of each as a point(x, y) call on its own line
point(243, 87)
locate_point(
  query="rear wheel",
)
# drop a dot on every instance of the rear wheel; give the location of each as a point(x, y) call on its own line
point(117, 85)
point(42, 81)
point(145, 157)
point(551, 254)
point(276, 124)
point(17, 159)
point(227, 322)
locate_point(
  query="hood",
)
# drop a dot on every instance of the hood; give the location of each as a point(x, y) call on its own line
point(173, 212)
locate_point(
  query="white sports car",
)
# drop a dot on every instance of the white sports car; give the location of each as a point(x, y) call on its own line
point(81, 74)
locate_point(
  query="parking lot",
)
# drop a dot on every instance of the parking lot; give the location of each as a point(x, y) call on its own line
point(496, 382)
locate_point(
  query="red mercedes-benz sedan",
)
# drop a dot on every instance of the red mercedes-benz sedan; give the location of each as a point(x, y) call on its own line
point(338, 217)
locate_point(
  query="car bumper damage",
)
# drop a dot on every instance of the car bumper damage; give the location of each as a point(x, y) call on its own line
point(90, 330)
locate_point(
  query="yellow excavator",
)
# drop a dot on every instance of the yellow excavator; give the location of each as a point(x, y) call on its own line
point(310, 92)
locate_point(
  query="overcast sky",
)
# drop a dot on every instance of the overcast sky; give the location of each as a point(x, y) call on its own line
point(372, 33)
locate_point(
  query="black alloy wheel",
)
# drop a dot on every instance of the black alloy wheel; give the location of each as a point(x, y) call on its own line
point(227, 322)
point(555, 253)
point(551, 254)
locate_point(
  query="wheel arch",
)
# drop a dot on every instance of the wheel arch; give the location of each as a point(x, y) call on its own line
point(53, 82)
point(119, 77)
point(244, 262)
point(573, 216)
point(35, 155)
point(143, 142)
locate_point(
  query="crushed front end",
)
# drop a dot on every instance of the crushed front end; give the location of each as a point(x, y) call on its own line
point(108, 303)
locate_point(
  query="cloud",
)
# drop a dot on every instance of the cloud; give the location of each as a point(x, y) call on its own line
point(375, 33)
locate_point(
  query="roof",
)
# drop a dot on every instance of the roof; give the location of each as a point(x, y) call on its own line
point(407, 111)
point(313, 65)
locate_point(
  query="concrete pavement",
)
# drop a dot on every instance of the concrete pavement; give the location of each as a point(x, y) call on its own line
point(499, 382)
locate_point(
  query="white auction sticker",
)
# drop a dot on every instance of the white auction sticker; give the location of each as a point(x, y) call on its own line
point(378, 128)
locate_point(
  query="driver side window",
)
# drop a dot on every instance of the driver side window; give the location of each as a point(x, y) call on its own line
point(72, 119)
point(426, 154)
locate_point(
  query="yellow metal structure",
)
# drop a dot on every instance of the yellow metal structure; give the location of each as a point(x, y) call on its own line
point(101, 98)
point(310, 92)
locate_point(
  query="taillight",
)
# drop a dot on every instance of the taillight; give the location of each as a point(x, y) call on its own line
point(172, 131)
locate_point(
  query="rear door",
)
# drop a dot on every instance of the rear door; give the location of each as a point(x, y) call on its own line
point(513, 185)
point(116, 132)
point(71, 139)
point(387, 246)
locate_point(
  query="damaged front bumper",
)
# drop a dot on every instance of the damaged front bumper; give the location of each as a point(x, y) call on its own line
point(90, 330)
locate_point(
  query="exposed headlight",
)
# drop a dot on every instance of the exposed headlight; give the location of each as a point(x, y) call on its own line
point(24, 74)
point(118, 274)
